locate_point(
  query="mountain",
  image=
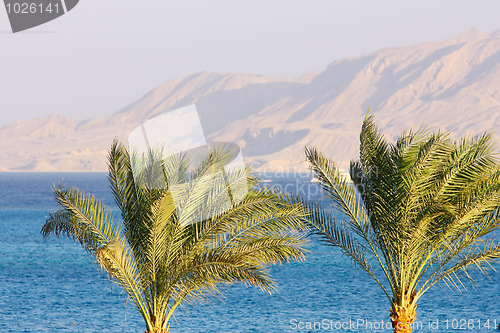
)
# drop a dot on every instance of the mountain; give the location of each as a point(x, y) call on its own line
point(452, 84)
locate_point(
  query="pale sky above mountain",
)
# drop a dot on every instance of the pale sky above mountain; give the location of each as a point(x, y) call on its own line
point(105, 54)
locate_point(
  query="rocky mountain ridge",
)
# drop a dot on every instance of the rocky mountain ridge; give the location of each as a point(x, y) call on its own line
point(452, 84)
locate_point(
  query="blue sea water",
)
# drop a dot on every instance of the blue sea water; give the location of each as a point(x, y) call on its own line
point(53, 285)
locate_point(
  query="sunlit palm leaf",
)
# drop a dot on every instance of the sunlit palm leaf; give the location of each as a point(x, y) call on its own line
point(160, 260)
point(420, 208)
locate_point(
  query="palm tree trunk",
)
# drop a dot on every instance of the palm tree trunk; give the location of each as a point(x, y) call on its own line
point(158, 330)
point(402, 317)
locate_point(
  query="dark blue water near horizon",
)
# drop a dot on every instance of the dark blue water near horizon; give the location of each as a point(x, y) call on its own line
point(53, 285)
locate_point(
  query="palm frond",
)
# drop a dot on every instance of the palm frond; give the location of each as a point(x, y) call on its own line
point(117, 259)
point(325, 226)
point(83, 217)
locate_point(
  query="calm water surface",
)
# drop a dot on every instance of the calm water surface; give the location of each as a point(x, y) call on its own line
point(52, 285)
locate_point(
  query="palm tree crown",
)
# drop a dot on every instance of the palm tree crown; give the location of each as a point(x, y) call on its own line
point(419, 209)
point(161, 262)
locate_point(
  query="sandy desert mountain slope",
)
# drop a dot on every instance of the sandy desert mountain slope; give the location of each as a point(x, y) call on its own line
point(452, 84)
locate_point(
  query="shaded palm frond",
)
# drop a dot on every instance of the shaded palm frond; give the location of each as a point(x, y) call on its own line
point(83, 218)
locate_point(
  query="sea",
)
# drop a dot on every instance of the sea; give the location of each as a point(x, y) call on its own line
point(53, 285)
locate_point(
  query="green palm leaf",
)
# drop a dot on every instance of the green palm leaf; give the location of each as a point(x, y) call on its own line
point(420, 209)
point(160, 260)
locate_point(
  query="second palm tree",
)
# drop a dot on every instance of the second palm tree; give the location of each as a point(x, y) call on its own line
point(419, 210)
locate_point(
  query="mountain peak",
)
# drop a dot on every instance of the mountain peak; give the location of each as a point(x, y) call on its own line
point(472, 35)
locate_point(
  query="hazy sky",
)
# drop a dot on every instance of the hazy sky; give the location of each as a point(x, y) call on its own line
point(103, 55)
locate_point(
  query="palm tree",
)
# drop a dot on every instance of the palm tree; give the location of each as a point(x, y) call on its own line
point(415, 212)
point(162, 263)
